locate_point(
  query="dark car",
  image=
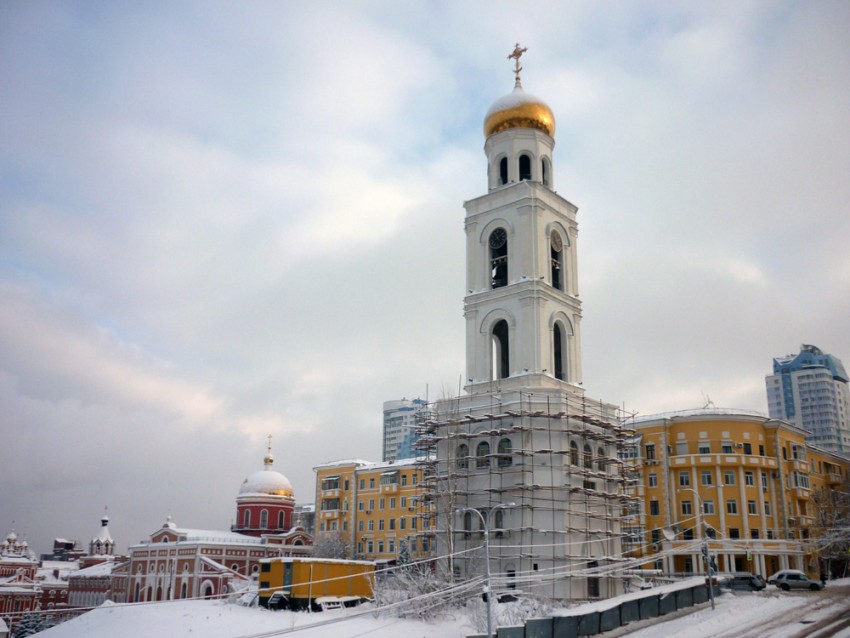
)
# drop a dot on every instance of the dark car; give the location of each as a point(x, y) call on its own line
point(744, 581)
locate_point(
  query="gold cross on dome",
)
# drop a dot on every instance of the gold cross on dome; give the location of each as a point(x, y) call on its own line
point(270, 444)
point(516, 54)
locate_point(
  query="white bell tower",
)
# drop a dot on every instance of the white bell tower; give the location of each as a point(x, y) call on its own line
point(522, 309)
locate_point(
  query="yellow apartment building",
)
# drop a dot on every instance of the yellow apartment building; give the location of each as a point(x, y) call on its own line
point(373, 511)
point(740, 481)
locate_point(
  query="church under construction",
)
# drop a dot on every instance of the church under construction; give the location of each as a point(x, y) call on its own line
point(524, 448)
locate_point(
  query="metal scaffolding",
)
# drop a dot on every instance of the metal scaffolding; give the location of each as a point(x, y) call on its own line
point(554, 454)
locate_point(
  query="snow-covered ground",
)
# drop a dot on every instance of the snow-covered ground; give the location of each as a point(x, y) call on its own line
point(770, 614)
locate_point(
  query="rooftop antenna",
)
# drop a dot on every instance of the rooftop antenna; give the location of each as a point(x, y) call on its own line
point(706, 401)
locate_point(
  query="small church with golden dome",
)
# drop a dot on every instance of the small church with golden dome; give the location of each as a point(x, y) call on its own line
point(265, 503)
point(180, 562)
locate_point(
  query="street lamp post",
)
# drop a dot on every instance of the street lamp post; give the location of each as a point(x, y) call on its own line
point(702, 530)
point(484, 520)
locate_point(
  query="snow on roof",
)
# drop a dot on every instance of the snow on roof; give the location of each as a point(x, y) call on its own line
point(698, 412)
point(341, 463)
point(214, 535)
point(188, 535)
point(297, 559)
point(100, 569)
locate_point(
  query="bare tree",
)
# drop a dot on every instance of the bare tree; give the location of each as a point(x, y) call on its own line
point(333, 544)
point(831, 530)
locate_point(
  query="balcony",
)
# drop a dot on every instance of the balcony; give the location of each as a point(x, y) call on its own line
point(834, 478)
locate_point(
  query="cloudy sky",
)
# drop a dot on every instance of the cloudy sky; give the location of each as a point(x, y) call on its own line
point(224, 220)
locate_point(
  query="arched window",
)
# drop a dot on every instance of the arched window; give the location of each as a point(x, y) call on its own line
point(482, 453)
point(498, 243)
point(504, 450)
point(524, 167)
point(246, 519)
point(588, 457)
point(280, 520)
point(136, 594)
point(573, 453)
point(556, 260)
point(600, 459)
point(264, 519)
point(184, 590)
point(559, 350)
point(499, 521)
point(503, 171)
point(467, 523)
point(501, 356)
point(544, 172)
point(462, 456)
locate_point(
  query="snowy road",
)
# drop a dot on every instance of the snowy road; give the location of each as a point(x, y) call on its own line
point(767, 614)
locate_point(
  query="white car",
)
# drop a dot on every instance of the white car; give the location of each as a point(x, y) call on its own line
point(783, 572)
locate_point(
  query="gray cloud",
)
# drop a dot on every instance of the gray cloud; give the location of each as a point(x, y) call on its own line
point(218, 223)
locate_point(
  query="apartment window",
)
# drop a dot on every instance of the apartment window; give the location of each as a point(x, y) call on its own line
point(761, 450)
point(752, 508)
point(381, 525)
point(650, 451)
point(653, 508)
point(726, 447)
point(708, 507)
point(684, 479)
point(404, 479)
point(371, 526)
point(345, 485)
point(370, 547)
point(704, 447)
point(749, 478)
point(764, 482)
point(770, 534)
point(734, 532)
point(403, 502)
point(653, 480)
point(766, 508)
point(362, 483)
point(359, 526)
point(392, 503)
point(656, 536)
point(754, 533)
point(371, 504)
point(728, 477)
point(731, 506)
point(748, 448)
point(371, 483)
point(687, 510)
point(707, 477)
point(360, 506)
point(381, 503)
point(681, 448)
point(391, 546)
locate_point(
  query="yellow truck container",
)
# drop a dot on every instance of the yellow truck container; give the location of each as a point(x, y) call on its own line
point(296, 583)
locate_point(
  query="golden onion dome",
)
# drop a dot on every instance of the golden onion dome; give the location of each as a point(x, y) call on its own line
point(519, 109)
point(267, 483)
